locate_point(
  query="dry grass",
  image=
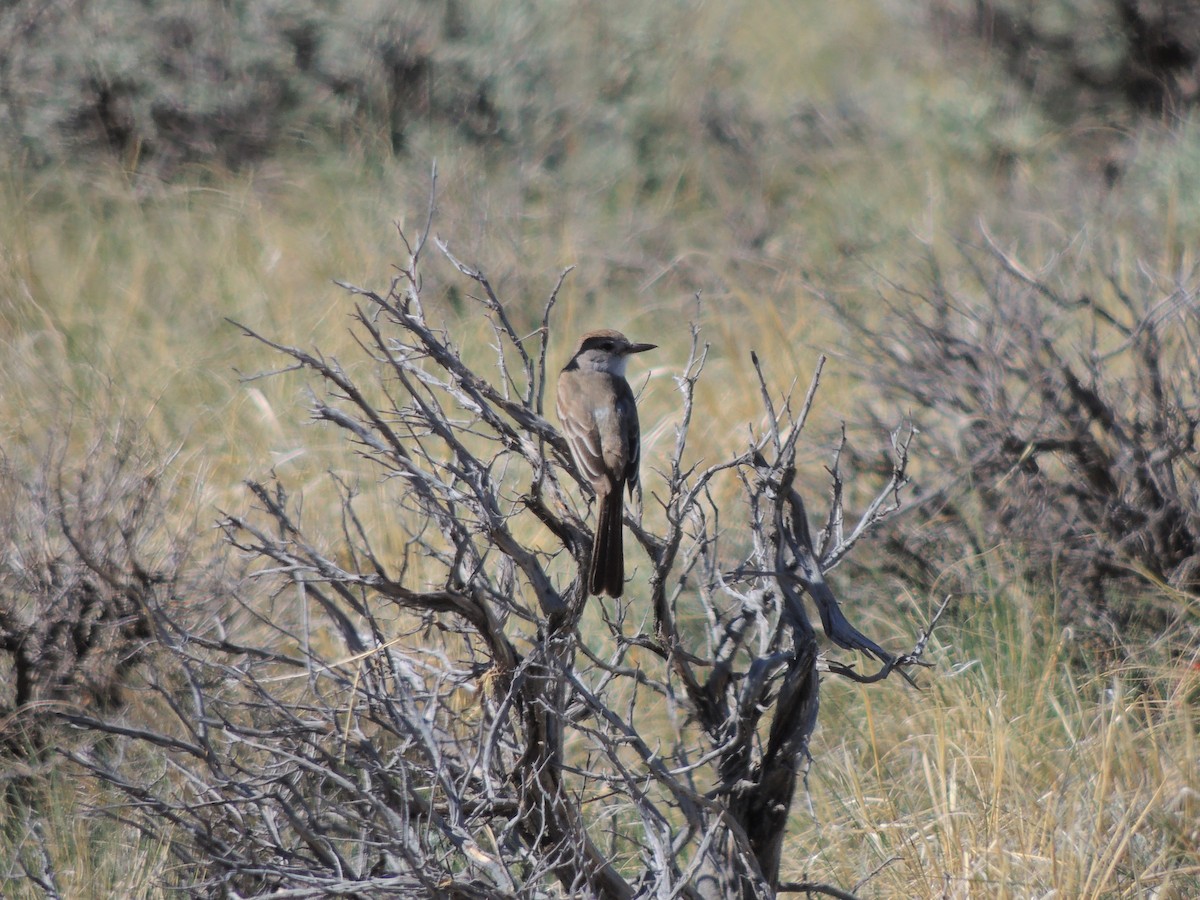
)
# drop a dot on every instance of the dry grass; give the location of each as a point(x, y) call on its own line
point(1016, 773)
point(89, 856)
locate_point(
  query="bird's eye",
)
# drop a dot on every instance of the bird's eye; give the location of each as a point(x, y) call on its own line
point(607, 345)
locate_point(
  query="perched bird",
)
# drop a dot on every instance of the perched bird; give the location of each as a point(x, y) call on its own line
point(599, 417)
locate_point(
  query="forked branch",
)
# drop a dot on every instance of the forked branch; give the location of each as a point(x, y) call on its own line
point(417, 703)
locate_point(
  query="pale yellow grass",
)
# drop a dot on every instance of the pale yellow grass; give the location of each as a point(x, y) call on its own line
point(89, 855)
point(114, 303)
point(1014, 774)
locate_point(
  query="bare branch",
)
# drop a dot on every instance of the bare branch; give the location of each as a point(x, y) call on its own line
point(411, 706)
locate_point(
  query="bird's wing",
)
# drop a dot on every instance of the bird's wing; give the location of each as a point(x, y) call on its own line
point(585, 447)
point(579, 427)
point(628, 416)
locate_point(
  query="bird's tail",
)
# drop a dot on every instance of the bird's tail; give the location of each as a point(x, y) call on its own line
point(607, 572)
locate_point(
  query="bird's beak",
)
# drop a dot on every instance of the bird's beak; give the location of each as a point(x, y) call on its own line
point(640, 348)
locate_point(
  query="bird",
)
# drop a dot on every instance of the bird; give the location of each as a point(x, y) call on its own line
point(599, 417)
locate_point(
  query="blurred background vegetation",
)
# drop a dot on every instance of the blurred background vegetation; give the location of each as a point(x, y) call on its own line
point(816, 172)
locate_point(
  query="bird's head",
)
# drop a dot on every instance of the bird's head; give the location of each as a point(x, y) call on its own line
point(606, 351)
